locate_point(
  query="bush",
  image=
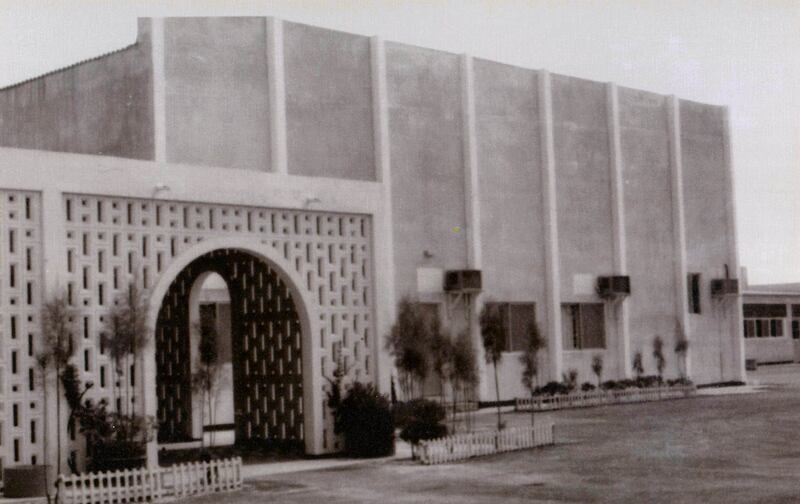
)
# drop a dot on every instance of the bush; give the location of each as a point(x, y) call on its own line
point(364, 418)
point(609, 385)
point(587, 387)
point(553, 388)
point(679, 382)
point(648, 381)
point(424, 421)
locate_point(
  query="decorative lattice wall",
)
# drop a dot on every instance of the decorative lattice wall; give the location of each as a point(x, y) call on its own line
point(113, 240)
point(266, 341)
point(21, 394)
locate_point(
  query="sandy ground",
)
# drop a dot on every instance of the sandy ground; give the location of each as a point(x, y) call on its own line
point(728, 449)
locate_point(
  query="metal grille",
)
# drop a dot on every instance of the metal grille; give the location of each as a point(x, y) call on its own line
point(266, 342)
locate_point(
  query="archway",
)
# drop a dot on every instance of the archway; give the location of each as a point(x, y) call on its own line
point(266, 341)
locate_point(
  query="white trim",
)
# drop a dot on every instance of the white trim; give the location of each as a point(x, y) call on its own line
point(678, 223)
point(549, 203)
point(384, 307)
point(620, 310)
point(472, 210)
point(470, 157)
point(159, 90)
point(276, 75)
point(100, 175)
point(737, 345)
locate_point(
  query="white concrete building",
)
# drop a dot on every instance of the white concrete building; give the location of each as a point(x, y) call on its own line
point(324, 176)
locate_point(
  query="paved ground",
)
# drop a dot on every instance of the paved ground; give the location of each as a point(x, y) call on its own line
point(722, 449)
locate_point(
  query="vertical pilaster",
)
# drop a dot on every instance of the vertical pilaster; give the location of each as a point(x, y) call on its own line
point(383, 235)
point(54, 256)
point(678, 224)
point(472, 208)
point(552, 268)
point(618, 227)
point(277, 96)
point(737, 338)
point(159, 90)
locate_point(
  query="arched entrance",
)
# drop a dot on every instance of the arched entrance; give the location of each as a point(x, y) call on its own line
point(266, 340)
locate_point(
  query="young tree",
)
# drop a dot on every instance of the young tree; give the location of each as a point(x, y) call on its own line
point(597, 367)
point(207, 377)
point(638, 366)
point(127, 334)
point(493, 330)
point(58, 324)
point(441, 348)
point(407, 343)
point(463, 371)
point(681, 349)
point(658, 355)
point(530, 359)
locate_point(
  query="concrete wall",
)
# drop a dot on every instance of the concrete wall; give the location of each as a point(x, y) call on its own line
point(101, 106)
point(707, 234)
point(649, 224)
point(510, 193)
point(216, 92)
point(427, 168)
point(583, 179)
point(328, 103)
point(583, 200)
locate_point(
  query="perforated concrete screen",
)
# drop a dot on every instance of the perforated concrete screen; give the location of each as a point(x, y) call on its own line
point(112, 241)
point(20, 298)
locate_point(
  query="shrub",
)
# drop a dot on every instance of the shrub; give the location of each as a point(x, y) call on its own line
point(424, 421)
point(570, 381)
point(588, 387)
point(609, 385)
point(648, 381)
point(364, 418)
point(677, 382)
point(553, 388)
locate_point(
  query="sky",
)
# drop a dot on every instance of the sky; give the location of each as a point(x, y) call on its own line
point(742, 54)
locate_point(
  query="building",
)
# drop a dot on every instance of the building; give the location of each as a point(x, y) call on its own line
point(771, 322)
point(326, 175)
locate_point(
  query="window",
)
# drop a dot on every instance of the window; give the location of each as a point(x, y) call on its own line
point(517, 320)
point(765, 328)
point(694, 292)
point(583, 326)
point(795, 329)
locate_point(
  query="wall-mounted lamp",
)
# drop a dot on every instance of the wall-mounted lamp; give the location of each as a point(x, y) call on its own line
point(311, 201)
point(161, 186)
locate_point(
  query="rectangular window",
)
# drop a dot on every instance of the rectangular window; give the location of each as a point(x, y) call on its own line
point(517, 320)
point(583, 326)
point(694, 292)
point(795, 329)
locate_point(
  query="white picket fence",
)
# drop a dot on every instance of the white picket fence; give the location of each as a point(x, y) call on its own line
point(475, 444)
point(602, 397)
point(151, 485)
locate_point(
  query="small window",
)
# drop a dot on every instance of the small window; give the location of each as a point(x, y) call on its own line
point(795, 329)
point(583, 326)
point(694, 292)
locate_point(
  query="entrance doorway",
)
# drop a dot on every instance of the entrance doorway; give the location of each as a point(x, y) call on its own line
point(265, 395)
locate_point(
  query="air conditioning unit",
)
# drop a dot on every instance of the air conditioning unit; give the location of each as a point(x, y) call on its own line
point(724, 287)
point(462, 281)
point(610, 287)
